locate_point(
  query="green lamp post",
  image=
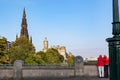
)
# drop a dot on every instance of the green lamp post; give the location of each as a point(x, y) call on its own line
point(114, 44)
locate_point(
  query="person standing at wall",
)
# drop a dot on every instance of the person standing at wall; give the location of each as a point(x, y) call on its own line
point(106, 64)
point(100, 65)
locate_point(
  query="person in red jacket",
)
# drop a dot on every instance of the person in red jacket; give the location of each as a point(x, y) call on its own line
point(100, 64)
point(106, 64)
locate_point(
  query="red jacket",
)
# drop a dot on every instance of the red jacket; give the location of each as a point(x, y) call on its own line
point(100, 61)
point(106, 60)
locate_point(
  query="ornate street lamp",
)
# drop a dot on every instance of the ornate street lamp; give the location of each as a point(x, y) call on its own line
point(114, 44)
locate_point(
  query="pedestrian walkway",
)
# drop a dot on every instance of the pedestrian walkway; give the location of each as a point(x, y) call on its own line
point(71, 78)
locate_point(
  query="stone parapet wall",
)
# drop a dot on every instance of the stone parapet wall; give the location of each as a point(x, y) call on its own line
point(6, 73)
point(90, 70)
point(49, 71)
point(27, 71)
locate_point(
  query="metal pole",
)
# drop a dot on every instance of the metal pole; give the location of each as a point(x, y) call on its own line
point(114, 44)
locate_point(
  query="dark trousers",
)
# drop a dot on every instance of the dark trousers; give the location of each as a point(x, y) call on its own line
point(106, 71)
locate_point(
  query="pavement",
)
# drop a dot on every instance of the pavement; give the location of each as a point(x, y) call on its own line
point(70, 78)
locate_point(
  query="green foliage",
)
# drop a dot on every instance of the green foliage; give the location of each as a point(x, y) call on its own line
point(20, 50)
point(61, 58)
point(34, 59)
point(25, 43)
point(53, 56)
point(23, 49)
point(43, 56)
point(3, 49)
point(3, 45)
point(70, 59)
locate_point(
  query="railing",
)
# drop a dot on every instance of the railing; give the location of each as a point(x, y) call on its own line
point(48, 66)
point(90, 63)
point(45, 65)
point(8, 66)
point(41, 66)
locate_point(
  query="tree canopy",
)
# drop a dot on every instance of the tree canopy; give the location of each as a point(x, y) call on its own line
point(3, 54)
point(53, 56)
point(21, 49)
point(70, 59)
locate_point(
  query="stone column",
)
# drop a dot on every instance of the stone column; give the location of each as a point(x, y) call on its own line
point(79, 66)
point(17, 69)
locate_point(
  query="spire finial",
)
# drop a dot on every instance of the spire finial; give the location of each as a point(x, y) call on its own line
point(45, 38)
point(24, 14)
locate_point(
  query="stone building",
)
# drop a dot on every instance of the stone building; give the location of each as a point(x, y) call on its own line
point(61, 49)
point(45, 44)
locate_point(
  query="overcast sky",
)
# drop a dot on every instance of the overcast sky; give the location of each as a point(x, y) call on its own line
point(80, 25)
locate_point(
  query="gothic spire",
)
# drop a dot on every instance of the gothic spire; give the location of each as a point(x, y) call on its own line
point(116, 23)
point(24, 31)
point(24, 14)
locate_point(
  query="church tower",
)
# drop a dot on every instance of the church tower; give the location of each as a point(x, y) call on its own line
point(24, 31)
point(45, 43)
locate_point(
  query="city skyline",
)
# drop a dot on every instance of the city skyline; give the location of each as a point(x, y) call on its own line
point(80, 25)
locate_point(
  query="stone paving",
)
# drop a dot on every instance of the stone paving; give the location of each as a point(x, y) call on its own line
point(72, 78)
